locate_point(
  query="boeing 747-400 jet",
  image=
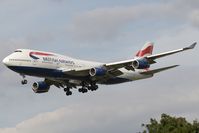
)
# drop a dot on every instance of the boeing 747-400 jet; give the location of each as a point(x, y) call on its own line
point(68, 73)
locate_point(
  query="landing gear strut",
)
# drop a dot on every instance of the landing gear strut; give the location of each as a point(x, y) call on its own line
point(84, 88)
point(24, 81)
point(93, 87)
point(67, 90)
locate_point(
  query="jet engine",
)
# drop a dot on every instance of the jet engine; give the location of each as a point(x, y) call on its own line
point(40, 87)
point(140, 64)
point(97, 71)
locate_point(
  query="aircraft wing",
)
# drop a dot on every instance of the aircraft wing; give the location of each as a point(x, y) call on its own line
point(117, 65)
point(85, 71)
point(113, 68)
point(61, 83)
point(151, 58)
point(76, 71)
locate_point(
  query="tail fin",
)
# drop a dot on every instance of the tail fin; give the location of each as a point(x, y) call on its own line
point(146, 50)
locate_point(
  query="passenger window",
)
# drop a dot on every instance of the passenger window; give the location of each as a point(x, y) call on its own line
point(17, 51)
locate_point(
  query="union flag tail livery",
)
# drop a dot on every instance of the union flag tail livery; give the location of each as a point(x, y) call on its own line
point(68, 73)
point(146, 50)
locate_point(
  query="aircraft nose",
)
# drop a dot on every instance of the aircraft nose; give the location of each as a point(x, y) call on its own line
point(5, 61)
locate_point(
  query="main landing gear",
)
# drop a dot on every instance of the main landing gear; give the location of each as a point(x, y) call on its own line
point(85, 87)
point(93, 87)
point(83, 90)
point(24, 81)
point(68, 91)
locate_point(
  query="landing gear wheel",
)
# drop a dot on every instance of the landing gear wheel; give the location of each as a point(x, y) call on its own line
point(23, 82)
point(89, 88)
point(66, 89)
point(68, 93)
point(94, 88)
point(80, 89)
point(83, 90)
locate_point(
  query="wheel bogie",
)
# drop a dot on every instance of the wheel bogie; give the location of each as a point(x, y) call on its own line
point(68, 93)
point(83, 90)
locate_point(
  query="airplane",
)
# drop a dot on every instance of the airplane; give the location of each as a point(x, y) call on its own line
point(69, 73)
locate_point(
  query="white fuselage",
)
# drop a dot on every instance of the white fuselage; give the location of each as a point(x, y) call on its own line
point(51, 65)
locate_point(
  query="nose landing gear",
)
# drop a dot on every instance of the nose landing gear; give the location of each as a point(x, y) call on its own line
point(24, 81)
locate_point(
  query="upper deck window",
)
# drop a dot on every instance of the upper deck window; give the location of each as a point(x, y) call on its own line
point(17, 51)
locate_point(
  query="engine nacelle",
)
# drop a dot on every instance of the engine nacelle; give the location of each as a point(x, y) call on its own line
point(40, 87)
point(98, 71)
point(141, 64)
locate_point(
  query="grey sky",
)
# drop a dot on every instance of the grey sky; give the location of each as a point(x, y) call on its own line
point(102, 31)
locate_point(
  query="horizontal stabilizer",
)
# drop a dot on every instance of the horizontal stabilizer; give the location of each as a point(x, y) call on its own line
point(149, 72)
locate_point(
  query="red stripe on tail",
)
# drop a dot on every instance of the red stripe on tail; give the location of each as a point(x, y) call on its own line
point(146, 50)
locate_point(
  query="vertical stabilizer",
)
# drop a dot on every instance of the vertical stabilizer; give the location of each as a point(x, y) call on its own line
point(146, 50)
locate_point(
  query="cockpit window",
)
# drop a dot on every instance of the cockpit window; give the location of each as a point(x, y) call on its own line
point(18, 51)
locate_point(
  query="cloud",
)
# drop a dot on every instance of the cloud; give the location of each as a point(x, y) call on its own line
point(194, 16)
point(77, 119)
point(186, 5)
point(121, 108)
point(137, 103)
point(58, 1)
point(118, 108)
point(104, 24)
point(44, 37)
point(9, 45)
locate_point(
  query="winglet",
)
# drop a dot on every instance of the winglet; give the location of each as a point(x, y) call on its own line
point(191, 46)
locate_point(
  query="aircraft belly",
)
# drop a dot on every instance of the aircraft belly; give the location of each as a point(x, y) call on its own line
point(43, 72)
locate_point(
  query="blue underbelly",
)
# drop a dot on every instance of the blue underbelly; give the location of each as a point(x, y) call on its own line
point(42, 72)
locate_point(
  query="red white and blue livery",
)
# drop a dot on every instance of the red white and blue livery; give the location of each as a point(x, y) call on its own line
point(68, 73)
